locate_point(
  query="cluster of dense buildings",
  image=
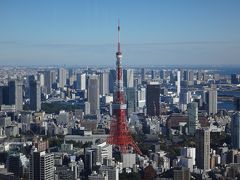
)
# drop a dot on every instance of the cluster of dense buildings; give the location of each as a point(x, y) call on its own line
point(185, 132)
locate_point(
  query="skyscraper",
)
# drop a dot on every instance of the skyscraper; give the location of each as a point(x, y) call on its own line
point(112, 79)
point(62, 77)
point(186, 75)
point(40, 78)
point(49, 79)
point(153, 99)
point(234, 79)
point(211, 97)
point(235, 130)
point(162, 74)
point(178, 82)
point(128, 80)
point(104, 83)
point(203, 148)
point(16, 93)
point(237, 103)
point(41, 166)
point(191, 76)
point(4, 95)
point(35, 95)
point(81, 81)
point(184, 99)
point(143, 74)
point(14, 165)
point(93, 93)
point(131, 100)
point(152, 74)
point(192, 109)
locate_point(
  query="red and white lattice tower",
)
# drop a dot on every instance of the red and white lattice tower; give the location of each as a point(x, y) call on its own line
point(119, 132)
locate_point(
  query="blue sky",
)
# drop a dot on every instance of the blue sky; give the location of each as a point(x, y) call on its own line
point(83, 32)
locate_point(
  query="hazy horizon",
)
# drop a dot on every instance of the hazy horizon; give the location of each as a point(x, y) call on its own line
point(152, 33)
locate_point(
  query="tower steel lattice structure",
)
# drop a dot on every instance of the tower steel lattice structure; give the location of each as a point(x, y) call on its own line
point(119, 132)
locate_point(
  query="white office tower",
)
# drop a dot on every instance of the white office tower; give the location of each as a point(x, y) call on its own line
point(81, 81)
point(128, 75)
point(41, 166)
point(189, 152)
point(105, 150)
point(62, 77)
point(93, 93)
point(178, 82)
point(193, 122)
point(212, 102)
point(128, 160)
point(141, 97)
point(104, 83)
point(40, 78)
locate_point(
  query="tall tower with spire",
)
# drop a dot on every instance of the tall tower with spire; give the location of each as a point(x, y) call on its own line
point(119, 132)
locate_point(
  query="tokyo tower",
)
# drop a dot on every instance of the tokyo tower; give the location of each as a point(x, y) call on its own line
point(119, 132)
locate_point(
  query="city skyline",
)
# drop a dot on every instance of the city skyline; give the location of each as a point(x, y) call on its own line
point(83, 32)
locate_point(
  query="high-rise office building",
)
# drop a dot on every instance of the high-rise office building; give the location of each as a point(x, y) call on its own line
point(104, 83)
point(93, 93)
point(49, 79)
point(16, 94)
point(199, 75)
point(153, 74)
point(204, 76)
point(186, 75)
point(191, 76)
point(47, 82)
point(4, 95)
point(112, 80)
point(211, 98)
point(14, 165)
point(62, 77)
point(128, 80)
point(184, 98)
point(234, 79)
point(203, 148)
point(143, 74)
point(192, 109)
point(162, 74)
point(141, 97)
point(40, 78)
point(237, 103)
point(189, 152)
point(81, 81)
point(153, 99)
point(235, 130)
point(35, 95)
point(41, 166)
point(90, 159)
point(178, 82)
point(131, 100)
